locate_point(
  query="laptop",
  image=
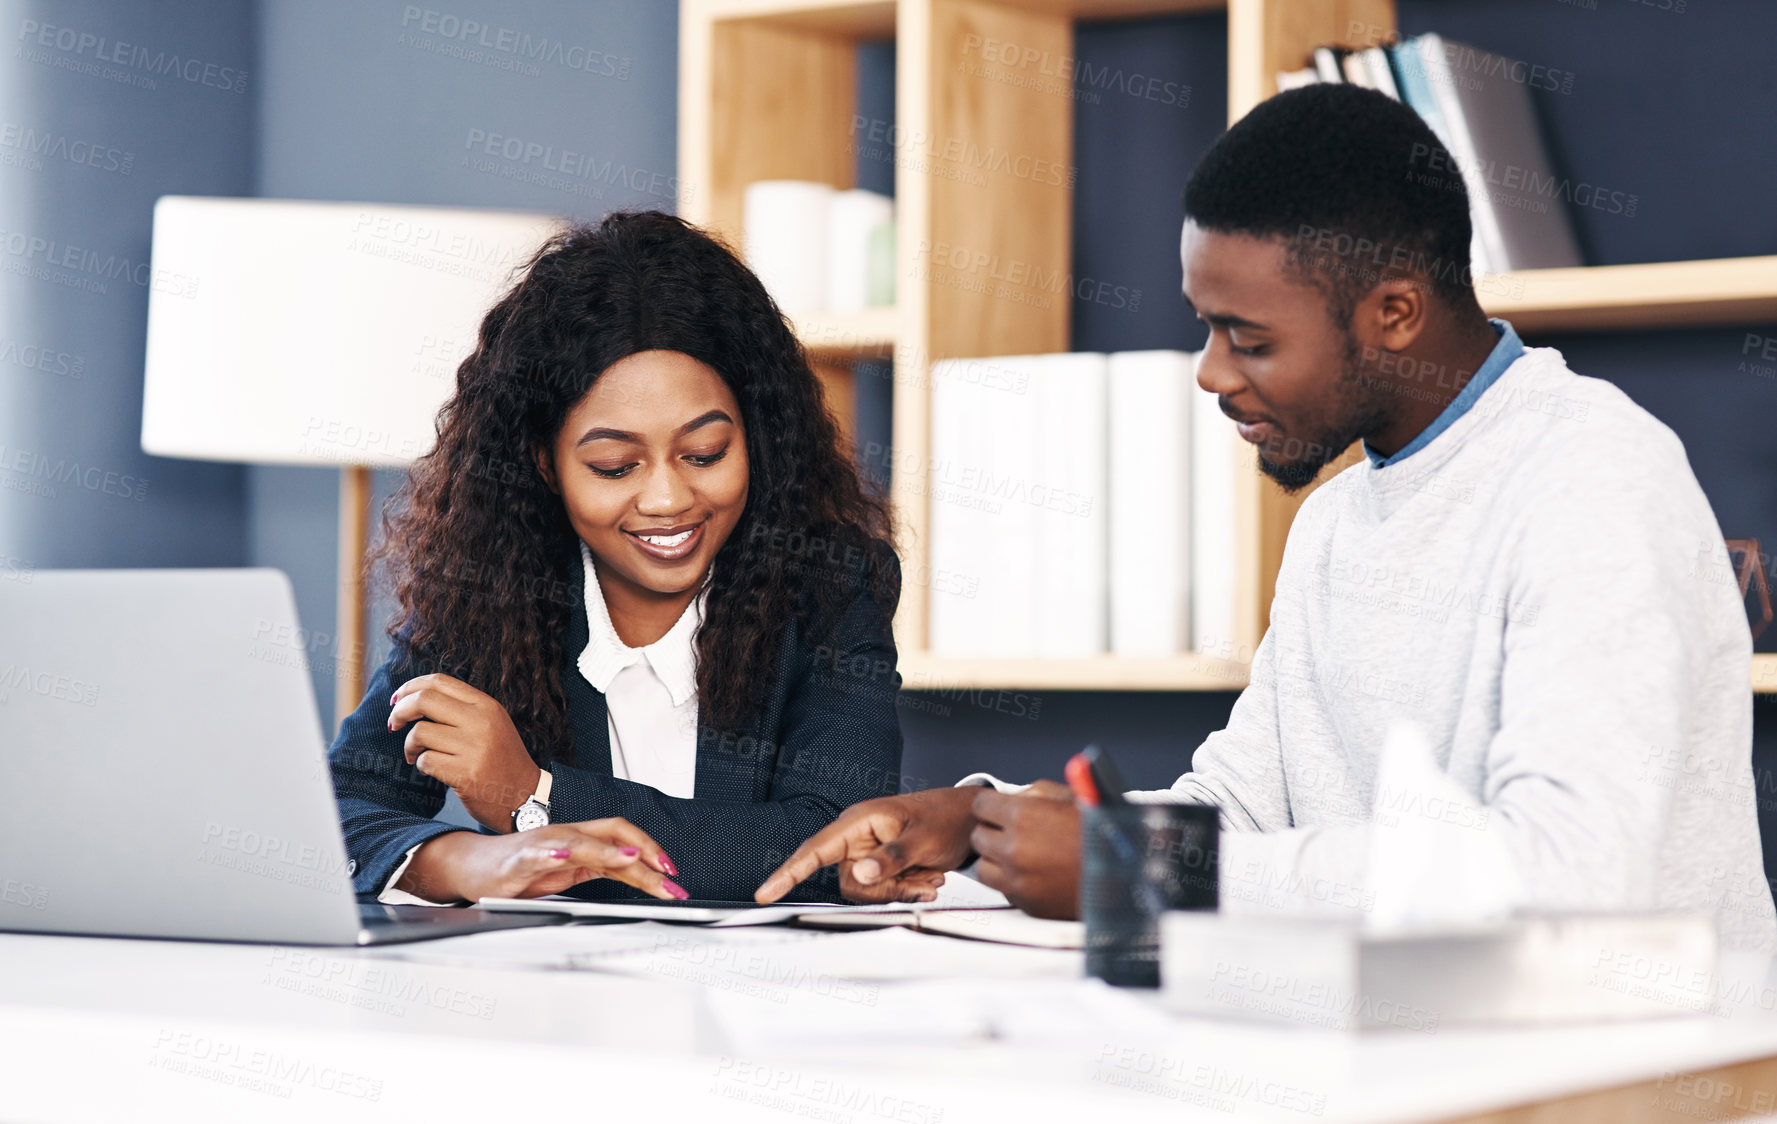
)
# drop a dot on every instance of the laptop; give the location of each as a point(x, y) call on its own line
point(165, 769)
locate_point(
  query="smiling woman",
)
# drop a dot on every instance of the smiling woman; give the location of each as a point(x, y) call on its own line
point(645, 601)
point(652, 499)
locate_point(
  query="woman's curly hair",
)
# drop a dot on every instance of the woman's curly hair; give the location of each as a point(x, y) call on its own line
point(480, 551)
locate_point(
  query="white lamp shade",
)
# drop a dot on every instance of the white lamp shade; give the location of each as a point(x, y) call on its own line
point(287, 332)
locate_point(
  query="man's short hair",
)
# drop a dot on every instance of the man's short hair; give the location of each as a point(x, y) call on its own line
point(1356, 183)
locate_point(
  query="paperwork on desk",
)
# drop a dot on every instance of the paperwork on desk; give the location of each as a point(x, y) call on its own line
point(799, 959)
point(1000, 926)
point(743, 959)
point(746, 948)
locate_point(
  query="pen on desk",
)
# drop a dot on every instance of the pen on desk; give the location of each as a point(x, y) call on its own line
point(1097, 785)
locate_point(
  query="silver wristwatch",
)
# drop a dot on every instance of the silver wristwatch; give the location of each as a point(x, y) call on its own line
point(534, 812)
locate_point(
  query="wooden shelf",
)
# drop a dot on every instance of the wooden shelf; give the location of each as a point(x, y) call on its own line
point(1674, 294)
point(851, 19)
point(861, 335)
point(875, 19)
point(1116, 9)
point(1764, 675)
point(923, 671)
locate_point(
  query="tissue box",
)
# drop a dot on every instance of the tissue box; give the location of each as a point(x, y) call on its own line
point(1336, 975)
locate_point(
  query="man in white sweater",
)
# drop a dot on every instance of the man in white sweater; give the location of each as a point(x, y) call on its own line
point(1522, 573)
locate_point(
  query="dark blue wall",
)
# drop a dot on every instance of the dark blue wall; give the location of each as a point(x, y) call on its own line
point(1134, 155)
point(875, 170)
point(1672, 106)
point(89, 138)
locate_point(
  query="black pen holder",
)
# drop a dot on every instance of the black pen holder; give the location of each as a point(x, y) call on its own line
point(1170, 847)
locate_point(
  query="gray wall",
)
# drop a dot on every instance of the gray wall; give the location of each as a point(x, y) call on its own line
point(90, 134)
point(317, 99)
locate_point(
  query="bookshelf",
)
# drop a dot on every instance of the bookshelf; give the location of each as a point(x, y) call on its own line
point(767, 90)
point(921, 671)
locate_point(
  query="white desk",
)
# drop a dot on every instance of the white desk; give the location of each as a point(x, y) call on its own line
point(95, 1029)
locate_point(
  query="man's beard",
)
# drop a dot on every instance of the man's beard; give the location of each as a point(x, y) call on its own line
point(1358, 409)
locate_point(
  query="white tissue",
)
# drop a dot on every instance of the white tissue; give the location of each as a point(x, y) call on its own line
point(1435, 854)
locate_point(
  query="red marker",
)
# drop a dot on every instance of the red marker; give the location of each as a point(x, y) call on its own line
point(1079, 778)
point(1094, 779)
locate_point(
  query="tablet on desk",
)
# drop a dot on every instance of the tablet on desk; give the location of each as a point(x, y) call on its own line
point(694, 911)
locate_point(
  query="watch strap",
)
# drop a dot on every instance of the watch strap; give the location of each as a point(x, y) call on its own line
point(540, 798)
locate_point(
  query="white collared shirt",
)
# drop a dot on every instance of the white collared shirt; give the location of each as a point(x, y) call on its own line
point(650, 704)
point(650, 693)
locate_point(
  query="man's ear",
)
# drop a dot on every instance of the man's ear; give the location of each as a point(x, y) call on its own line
point(1395, 311)
point(546, 468)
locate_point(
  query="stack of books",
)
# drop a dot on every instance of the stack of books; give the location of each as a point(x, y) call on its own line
point(1081, 504)
point(1478, 104)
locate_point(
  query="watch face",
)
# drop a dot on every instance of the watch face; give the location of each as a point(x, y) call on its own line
point(530, 814)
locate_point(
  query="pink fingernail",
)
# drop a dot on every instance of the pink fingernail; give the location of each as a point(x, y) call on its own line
point(628, 852)
point(557, 852)
point(393, 697)
point(674, 889)
point(667, 864)
point(391, 725)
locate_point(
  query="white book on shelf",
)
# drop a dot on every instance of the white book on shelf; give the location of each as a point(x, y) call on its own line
point(954, 611)
point(785, 241)
point(1296, 79)
point(1356, 70)
point(1068, 500)
point(852, 219)
point(983, 530)
point(1214, 542)
point(1150, 502)
point(1381, 74)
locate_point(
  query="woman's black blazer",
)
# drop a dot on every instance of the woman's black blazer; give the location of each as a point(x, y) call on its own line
point(827, 736)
